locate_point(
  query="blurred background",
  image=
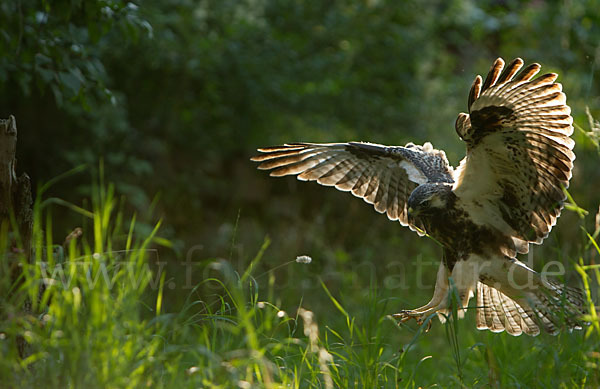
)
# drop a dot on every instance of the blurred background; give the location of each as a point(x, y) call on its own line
point(174, 97)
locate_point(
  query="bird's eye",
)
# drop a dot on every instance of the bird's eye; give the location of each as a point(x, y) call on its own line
point(425, 203)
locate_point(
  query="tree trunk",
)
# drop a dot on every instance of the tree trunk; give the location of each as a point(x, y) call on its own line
point(15, 204)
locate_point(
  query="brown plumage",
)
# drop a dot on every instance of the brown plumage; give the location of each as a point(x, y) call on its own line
point(505, 194)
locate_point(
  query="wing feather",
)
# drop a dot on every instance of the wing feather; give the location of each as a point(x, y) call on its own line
point(510, 71)
point(380, 200)
point(528, 73)
point(320, 169)
point(374, 181)
point(362, 184)
point(351, 177)
point(475, 91)
point(519, 150)
point(493, 74)
point(393, 203)
point(381, 175)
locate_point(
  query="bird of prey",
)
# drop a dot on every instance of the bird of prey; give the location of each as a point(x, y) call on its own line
point(506, 193)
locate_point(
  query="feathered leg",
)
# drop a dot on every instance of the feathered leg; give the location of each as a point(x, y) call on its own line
point(464, 277)
point(440, 295)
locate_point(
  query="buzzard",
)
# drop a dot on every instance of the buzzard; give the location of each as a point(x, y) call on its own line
point(505, 194)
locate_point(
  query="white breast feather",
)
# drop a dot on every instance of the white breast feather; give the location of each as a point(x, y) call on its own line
point(473, 180)
point(477, 188)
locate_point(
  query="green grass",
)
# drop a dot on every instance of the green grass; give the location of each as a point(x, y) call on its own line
point(106, 317)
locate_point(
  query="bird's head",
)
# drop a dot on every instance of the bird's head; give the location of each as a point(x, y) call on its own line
point(427, 199)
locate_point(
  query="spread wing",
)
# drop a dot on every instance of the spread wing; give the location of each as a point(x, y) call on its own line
point(519, 155)
point(383, 176)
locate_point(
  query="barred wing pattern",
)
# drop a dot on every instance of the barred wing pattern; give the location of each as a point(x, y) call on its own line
point(519, 155)
point(381, 175)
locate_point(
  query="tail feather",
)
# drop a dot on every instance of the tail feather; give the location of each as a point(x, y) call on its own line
point(514, 322)
point(498, 318)
point(573, 296)
point(558, 306)
point(551, 307)
point(527, 323)
point(497, 312)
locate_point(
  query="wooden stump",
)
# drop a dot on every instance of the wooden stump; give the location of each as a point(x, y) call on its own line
point(15, 204)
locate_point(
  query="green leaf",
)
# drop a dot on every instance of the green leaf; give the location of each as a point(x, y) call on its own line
point(70, 82)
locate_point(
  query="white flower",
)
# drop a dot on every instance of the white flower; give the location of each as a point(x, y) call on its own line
point(303, 259)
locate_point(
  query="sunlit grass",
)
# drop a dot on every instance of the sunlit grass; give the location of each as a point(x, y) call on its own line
point(82, 324)
point(99, 318)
